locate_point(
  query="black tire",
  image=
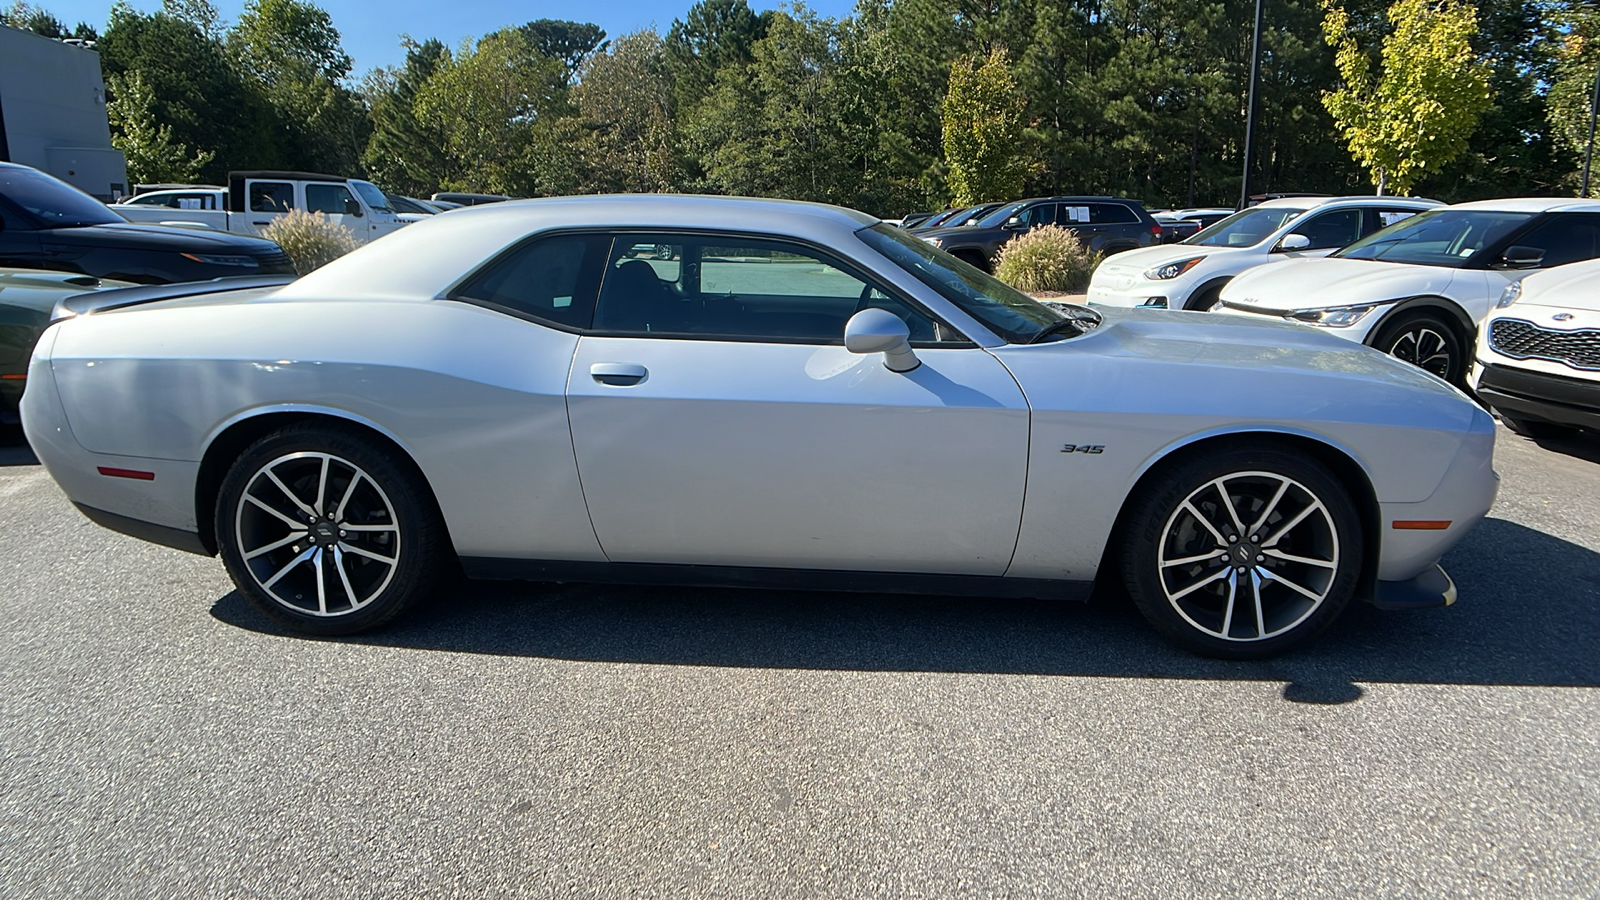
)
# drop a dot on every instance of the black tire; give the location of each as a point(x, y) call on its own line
point(1538, 428)
point(1203, 299)
point(1189, 602)
point(374, 549)
point(1426, 340)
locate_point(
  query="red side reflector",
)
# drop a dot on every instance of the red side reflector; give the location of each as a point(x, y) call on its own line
point(1421, 524)
point(13, 378)
point(127, 473)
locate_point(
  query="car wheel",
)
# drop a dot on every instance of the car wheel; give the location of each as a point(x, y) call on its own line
point(325, 532)
point(1538, 428)
point(1243, 554)
point(1203, 299)
point(1428, 342)
point(663, 251)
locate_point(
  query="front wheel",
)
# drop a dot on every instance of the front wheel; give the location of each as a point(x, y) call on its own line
point(1428, 342)
point(324, 532)
point(1243, 554)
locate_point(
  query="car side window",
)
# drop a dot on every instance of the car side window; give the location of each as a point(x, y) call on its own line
point(1043, 214)
point(692, 286)
point(271, 196)
point(1380, 218)
point(1564, 238)
point(333, 199)
point(1330, 230)
point(552, 279)
point(1111, 214)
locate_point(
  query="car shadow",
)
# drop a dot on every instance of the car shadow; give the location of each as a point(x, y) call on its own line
point(1529, 615)
point(14, 449)
point(1584, 445)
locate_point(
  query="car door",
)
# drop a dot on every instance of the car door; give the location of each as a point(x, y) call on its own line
point(265, 201)
point(718, 419)
point(340, 206)
point(1559, 239)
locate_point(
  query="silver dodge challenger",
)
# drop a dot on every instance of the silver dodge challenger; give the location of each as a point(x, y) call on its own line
point(717, 391)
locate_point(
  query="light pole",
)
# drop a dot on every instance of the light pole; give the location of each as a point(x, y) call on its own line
point(1588, 154)
point(1250, 117)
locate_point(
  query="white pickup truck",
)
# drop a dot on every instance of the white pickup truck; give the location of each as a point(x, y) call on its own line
point(252, 200)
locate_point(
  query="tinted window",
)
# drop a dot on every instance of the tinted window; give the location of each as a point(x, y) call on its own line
point(374, 197)
point(51, 202)
point(1383, 218)
point(1330, 230)
point(328, 198)
point(553, 279)
point(271, 196)
point(1111, 214)
point(1043, 214)
point(1564, 238)
point(1439, 237)
point(756, 290)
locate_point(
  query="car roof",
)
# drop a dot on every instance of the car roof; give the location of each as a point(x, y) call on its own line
point(423, 260)
point(1313, 202)
point(1533, 205)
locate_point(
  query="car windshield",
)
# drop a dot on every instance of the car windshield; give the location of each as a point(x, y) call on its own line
point(1247, 227)
point(1007, 312)
point(374, 197)
point(52, 202)
point(999, 216)
point(1438, 237)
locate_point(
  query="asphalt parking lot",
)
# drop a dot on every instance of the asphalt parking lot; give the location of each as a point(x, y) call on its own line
point(158, 738)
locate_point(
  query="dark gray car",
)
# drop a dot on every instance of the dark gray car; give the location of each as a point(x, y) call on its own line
point(1106, 224)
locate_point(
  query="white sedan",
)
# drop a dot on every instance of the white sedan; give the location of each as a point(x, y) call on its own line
point(795, 395)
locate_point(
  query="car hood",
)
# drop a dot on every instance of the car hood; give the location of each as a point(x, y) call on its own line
point(40, 291)
point(1571, 286)
point(1320, 283)
point(1145, 258)
point(157, 237)
point(1243, 343)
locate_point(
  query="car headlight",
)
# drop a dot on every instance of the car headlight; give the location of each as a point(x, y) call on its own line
point(247, 262)
point(1173, 269)
point(1333, 316)
point(1510, 295)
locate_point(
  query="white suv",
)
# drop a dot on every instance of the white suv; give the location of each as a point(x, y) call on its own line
point(1190, 274)
point(1418, 289)
point(1538, 360)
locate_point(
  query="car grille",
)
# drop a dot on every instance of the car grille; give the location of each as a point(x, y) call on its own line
point(1525, 340)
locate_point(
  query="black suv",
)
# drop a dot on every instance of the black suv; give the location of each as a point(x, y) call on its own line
point(1106, 224)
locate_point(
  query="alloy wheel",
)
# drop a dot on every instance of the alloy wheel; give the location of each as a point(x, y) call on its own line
point(317, 534)
point(1422, 345)
point(1248, 556)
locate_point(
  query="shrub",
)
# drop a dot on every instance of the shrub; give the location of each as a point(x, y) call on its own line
point(310, 239)
point(1048, 258)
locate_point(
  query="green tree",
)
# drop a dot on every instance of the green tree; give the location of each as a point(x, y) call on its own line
point(1418, 112)
point(1571, 97)
point(713, 35)
point(153, 156)
point(489, 103)
point(403, 154)
point(625, 101)
point(570, 42)
point(983, 131)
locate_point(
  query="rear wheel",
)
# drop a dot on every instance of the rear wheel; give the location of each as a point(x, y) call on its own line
point(1428, 342)
point(325, 532)
point(1243, 553)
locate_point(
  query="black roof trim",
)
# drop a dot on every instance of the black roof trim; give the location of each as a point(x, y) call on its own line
point(286, 176)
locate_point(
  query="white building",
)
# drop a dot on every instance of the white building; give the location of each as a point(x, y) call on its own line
point(53, 113)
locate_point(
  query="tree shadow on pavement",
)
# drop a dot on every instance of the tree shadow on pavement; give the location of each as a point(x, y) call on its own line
point(1529, 614)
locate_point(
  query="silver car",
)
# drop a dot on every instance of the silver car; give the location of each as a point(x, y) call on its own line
point(794, 395)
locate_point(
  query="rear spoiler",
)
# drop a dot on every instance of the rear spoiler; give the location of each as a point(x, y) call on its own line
point(118, 298)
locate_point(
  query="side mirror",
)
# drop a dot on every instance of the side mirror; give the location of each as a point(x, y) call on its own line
point(881, 331)
point(1518, 256)
point(352, 207)
point(1293, 242)
point(1014, 224)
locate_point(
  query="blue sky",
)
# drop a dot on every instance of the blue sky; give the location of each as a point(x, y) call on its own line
point(371, 31)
